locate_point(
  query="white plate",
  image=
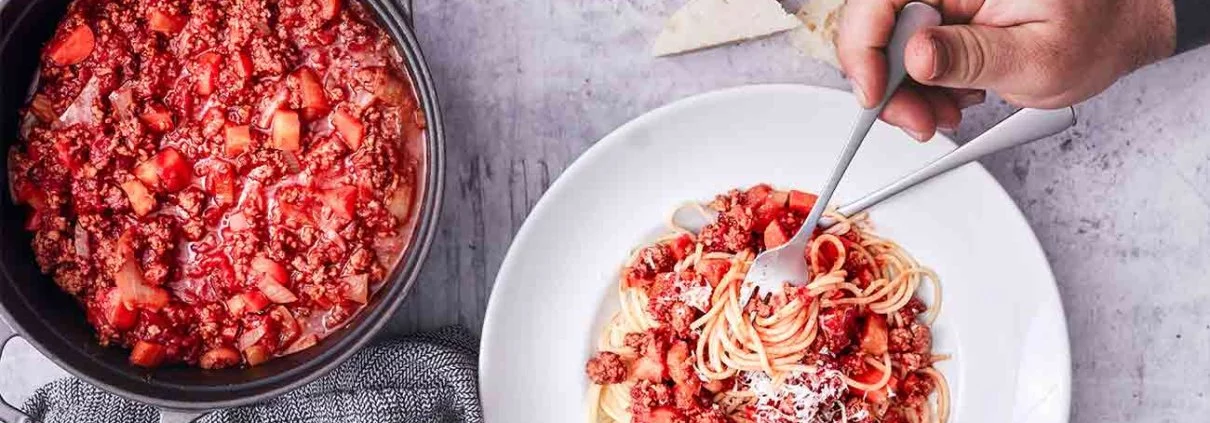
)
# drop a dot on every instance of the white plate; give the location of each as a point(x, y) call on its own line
point(1001, 317)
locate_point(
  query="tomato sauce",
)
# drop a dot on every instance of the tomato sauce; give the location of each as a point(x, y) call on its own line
point(219, 182)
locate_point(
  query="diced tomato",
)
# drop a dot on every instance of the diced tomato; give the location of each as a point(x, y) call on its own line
point(681, 246)
point(662, 414)
point(390, 89)
point(134, 289)
point(164, 22)
point(769, 207)
point(29, 194)
point(311, 92)
point(248, 302)
point(775, 235)
point(255, 301)
point(872, 376)
point(647, 368)
point(251, 336)
point(357, 288)
point(157, 118)
point(680, 366)
point(147, 354)
point(140, 199)
point(222, 184)
point(117, 313)
point(285, 130)
point(238, 140)
point(218, 358)
point(73, 47)
point(243, 66)
point(802, 202)
point(342, 201)
point(167, 170)
point(328, 9)
point(757, 194)
point(238, 221)
point(874, 335)
point(400, 202)
point(713, 269)
point(301, 344)
point(256, 355)
point(64, 151)
point(349, 127)
point(207, 72)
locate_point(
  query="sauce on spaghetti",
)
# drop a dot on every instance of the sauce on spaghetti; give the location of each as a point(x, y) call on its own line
point(852, 345)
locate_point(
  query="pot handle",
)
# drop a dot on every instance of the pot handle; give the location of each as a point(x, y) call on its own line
point(9, 413)
point(180, 416)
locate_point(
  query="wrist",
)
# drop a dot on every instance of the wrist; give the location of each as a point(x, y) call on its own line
point(1156, 27)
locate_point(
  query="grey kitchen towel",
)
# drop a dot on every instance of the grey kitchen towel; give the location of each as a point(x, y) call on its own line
point(424, 378)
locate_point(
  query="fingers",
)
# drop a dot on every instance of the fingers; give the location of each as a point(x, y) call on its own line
point(966, 56)
point(865, 29)
point(911, 111)
point(946, 112)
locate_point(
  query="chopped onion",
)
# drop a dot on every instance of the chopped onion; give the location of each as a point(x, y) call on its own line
point(81, 109)
point(363, 99)
point(82, 248)
point(122, 101)
point(291, 162)
point(271, 106)
point(250, 337)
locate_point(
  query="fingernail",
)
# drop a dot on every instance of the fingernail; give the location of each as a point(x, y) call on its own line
point(858, 91)
point(947, 130)
point(941, 61)
point(918, 135)
point(970, 99)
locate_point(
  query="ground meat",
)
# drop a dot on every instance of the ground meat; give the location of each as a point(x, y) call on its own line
point(910, 361)
point(606, 368)
point(916, 387)
point(915, 338)
point(912, 309)
point(731, 233)
point(151, 157)
point(646, 395)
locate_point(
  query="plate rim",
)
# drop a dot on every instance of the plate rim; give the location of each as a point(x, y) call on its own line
point(487, 350)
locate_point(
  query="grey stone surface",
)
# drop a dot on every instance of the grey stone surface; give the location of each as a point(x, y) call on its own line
point(1121, 203)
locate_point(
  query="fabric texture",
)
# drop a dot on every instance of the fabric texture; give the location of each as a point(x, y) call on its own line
point(425, 378)
point(1192, 24)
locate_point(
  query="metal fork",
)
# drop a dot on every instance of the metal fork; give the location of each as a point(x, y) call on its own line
point(786, 263)
point(1019, 128)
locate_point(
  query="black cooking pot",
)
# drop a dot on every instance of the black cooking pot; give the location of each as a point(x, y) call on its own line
point(33, 307)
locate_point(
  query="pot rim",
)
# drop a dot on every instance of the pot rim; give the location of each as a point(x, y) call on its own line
point(395, 23)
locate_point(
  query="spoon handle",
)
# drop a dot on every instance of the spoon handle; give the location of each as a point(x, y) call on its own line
point(1021, 127)
point(914, 17)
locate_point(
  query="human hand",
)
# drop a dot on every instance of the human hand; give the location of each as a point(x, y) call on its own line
point(1033, 53)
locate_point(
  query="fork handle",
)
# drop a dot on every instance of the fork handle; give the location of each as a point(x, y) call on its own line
point(914, 17)
point(1021, 127)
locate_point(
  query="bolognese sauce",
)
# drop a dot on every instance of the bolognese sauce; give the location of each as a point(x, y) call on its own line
point(218, 182)
point(853, 345)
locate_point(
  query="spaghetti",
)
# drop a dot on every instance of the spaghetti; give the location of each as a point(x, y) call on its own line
point(852, 345)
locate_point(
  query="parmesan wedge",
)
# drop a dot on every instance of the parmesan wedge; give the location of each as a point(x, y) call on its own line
point(817, 36)
point(701, 24)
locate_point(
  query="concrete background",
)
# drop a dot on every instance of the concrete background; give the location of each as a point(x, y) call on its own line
point(1121, 203)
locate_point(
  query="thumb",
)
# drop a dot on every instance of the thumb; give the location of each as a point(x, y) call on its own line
point(965, 56)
